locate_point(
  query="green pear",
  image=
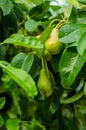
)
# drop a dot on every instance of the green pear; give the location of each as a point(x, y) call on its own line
point(44, 84)
point(53, 45)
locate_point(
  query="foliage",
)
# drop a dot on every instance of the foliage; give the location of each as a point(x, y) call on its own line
point(25, 26)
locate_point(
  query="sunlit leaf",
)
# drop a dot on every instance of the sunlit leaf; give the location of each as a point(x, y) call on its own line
point(28, 61)
point(21, 40)
point(12, 124)
point(82, 44)
point(6, 6)
point(70, 65)
point(17, 60)
point(67, 11)
point(31, 25)
point(28, 4)
point(82, 1)
point(73, 36)
point(23, 79)
point(70, 28)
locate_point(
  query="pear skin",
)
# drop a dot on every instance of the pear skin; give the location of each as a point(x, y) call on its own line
point(53, 45)
point(44, 84)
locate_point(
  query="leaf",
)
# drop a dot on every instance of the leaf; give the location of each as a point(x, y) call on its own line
point(27, 4)
point(31, 25)
point(2, 102)
point(40, 12)
point(45, 34)
point(2, 52)
point(28, 61)
point(23, 61)
point(21, 40)
point(38, 2)
point(16, 99)
point(73, 36)
point(8, 82)
point(81, 17)
point(23, 79)
point(74, 98)
point(69, 28)
point(27, 126)
point(18, 60)
point(82, 44)
point(70, 65)
point(1, 121)
point(67, 11)
point(12, 124)
point(11, 21)
point(6, 6)
point(80, 118)
point(85, 89)
point(82, 1)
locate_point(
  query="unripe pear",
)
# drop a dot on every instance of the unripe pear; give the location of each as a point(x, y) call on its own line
point(53, 45)
point(44, 84)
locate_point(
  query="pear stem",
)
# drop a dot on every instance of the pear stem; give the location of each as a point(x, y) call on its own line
point(43, 66)
point(61, 22)
point(47, 70)
point(54, 21)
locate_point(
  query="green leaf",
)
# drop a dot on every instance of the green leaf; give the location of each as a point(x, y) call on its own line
point(69, 28)
point(28, 61)
point(85, 89)
point(31, 25)
point(1, 121)
point(70, 65)
point(23, 61)
point(40, 12)
point(16, 99)
point(8, 82)
point(82, 1)
point(2, 102)
point(21, 40)
point(73, 36)
point(18, 60)
point(11, 21)
point(74, 3)
point(74, 98)
point(26, 126)
point(2, 51)
point(82, 44)
point(80, 118)
point(81, 17)
point(38, 2)
point(12, 124)
point(27, 4)
point(6, 6)
point(67, 11)
point(23, 79)
point(45, 34)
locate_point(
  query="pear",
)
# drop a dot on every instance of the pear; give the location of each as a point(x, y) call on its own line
point(53, 45)
point(44, 84)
